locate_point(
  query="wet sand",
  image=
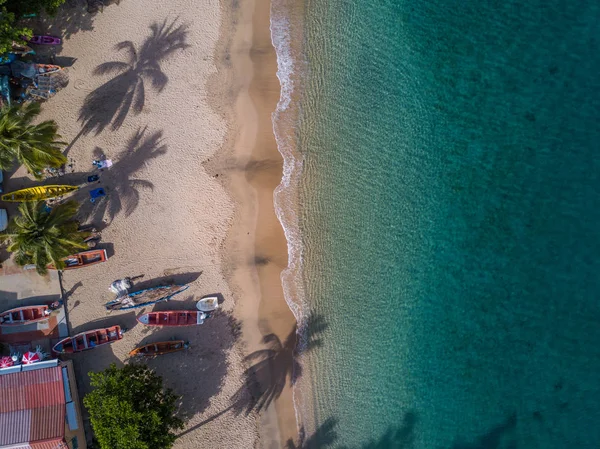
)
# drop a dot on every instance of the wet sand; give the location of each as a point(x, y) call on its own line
point(250, 167)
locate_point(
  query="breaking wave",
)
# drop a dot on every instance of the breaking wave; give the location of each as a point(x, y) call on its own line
point(285, 33)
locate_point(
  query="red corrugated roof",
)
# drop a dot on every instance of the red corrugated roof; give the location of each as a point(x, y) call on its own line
point(47, 422)
point(32, 407)
point(50, 444)
point(15, 426)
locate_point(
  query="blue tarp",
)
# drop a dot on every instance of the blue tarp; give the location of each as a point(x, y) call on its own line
point(97, 193)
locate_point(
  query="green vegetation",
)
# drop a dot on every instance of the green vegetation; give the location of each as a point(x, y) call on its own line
point(9, 31)
point(41, 236)
point(11, 11)
point(130, 409)
point(34, 146)
point(25, 7)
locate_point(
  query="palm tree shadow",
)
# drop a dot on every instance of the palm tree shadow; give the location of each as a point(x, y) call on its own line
point(324, 436)
point(265, 380)
point(273, 367)
point(400, 437)
point(110, 103)
point(500, 436)
point(123, 190)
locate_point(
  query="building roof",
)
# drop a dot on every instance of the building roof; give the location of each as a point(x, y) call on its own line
point(32, 408)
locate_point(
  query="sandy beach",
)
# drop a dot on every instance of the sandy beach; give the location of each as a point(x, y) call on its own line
point(250, 167)
point(178, 95)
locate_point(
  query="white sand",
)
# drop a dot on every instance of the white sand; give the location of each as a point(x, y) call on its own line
point(165, 217)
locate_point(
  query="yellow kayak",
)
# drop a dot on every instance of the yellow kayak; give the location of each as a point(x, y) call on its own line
point(38, 193)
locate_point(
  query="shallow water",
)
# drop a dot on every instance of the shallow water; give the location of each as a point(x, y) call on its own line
point(448, 218)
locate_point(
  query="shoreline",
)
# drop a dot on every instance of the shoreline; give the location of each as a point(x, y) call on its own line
point(250, 167)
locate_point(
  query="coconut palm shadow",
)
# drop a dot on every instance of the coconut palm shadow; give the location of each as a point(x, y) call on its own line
point(272, 367)
point(265, 380)
point(498, 437)
point(324, 436)
point(397, 437)
point(110, 103)
point(400, 437)
point(198, 373)
point(122, 188)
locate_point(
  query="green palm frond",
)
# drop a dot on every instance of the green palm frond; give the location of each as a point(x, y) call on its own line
point(38, 236)
point(34, 146)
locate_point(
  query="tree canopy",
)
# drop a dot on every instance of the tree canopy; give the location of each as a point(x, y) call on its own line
point(11, 11)
point(34, 146)
point(9, 30)
point(40, 235)
point(25, 7)
point(130, 409)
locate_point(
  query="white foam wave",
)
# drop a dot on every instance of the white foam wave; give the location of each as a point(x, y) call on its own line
point(286, 194)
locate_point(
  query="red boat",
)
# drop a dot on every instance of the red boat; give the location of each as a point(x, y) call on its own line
point(83, 259)
point(24, 315)
point(88, 340)
point(173, 318)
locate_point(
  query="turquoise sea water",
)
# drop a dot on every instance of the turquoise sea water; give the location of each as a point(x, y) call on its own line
point(449, 216)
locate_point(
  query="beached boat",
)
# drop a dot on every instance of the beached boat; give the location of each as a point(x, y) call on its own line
point(145, 297)
point(83, 259)
point(162, 347)
point(19, 49)
point(208, 304)
point(173, 318)
point(38, 193)
point(24, 315)
point(44, 40)
point(88, 340)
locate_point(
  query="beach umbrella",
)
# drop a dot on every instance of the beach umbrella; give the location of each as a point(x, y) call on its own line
point(30, 357)
point(6, 361)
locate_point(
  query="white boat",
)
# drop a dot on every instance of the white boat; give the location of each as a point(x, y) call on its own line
point(208, 304)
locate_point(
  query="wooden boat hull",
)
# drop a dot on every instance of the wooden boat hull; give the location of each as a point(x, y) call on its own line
point(145, 297)
point(83, 259)
point(88, 340)
point(159, 348)
point(37, 193)
point(24, 315)
point(173, 318)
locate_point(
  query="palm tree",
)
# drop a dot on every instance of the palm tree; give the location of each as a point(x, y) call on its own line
point(34, 146)
point(42, 236)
